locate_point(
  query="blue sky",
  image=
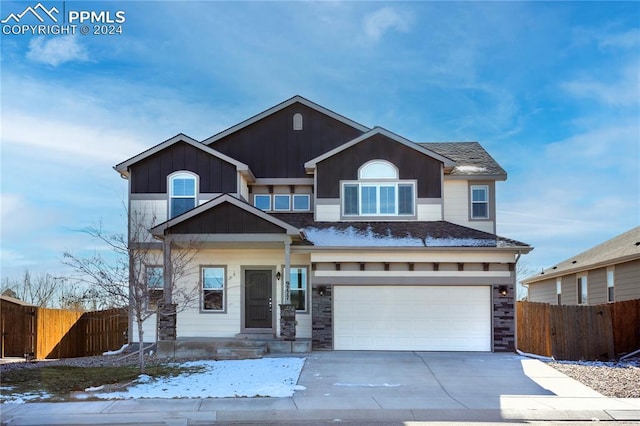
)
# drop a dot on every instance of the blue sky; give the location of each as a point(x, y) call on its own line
point(551, 90)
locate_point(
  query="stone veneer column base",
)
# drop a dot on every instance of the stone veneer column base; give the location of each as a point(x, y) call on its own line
point(322, 322)
point(504, 324)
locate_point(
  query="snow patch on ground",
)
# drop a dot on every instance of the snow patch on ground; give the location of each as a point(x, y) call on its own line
point(117, 352)
point(267, 377)
point(20, 398)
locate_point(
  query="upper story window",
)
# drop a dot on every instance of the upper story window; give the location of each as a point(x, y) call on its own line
point(479, 202)
point(283, 202)
point(182, 193)
point(378, 192)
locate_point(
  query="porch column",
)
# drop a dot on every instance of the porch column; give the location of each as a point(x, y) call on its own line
point(166, 270)
point(287, 272)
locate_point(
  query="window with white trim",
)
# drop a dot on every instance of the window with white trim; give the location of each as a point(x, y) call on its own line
point(281, 202)
point(301, 202)
point(611, 292)
point(378, 192)
point(298, 286)
point(155, 285)
point(182, 193)
point(583, 296)
point(262, 201)
point(479, 202)
point(213, 288)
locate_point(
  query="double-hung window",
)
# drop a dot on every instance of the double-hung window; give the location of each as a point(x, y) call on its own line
point(378, 192)
point(479, 202)
point(611, 284)
point(182, 193)
point(213, 288)
point(155, 285)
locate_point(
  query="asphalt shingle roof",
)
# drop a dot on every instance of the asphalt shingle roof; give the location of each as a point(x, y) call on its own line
point(625, 246)
point(470, 157)
point(432, 234)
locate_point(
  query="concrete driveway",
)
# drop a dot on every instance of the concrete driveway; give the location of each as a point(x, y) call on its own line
point(370, 387)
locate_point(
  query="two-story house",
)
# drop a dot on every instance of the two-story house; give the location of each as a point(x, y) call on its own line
point(379, 242)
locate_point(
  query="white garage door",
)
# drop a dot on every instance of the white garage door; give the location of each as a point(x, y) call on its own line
point(412, 318)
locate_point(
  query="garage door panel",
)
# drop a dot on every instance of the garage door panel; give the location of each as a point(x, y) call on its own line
point(412, 318)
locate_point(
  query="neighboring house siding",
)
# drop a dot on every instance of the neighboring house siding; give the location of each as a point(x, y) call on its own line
point(570, 290)
point(627, 281)
point(597, 283)
point(226, 219)
point(273, 149)
point(544, 291)
point(410, 163)
point(215, 175)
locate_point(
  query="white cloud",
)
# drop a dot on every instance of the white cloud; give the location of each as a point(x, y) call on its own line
point(621, 92)
point(56, 50)
point(625, 40)
point(382, 20)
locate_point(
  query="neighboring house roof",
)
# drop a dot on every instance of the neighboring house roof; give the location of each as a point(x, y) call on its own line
point(311, 164)
point(279, 107)
point(123, 168)
point(470, 158)
point(623, 248)
point(192, 214)
point(16, 301)
point(394, 234)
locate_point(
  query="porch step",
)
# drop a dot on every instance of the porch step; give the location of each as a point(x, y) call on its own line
point(241, 352)
point(230, 347)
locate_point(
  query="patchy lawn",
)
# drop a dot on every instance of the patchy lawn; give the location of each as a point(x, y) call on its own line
point(267, 377)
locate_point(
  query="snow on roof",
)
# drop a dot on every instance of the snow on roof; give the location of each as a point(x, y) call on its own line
point(352, 237)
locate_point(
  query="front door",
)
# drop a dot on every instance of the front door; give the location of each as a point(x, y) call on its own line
point(257, 299)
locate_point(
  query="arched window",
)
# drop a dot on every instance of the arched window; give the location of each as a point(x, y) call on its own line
point(297, 121)
point(182, 193)
point(378, 192)
point(378, 169)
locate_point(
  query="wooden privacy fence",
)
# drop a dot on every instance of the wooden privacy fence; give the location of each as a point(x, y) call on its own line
point(59, 333)
point(566, 332)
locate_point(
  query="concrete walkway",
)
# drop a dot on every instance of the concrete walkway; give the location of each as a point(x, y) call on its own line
point(365, 387)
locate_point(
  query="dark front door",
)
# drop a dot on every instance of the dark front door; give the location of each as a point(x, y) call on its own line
point(257, 299)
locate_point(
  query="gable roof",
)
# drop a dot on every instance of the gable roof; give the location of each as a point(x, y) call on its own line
point(14, 300)
point(470, 157)
point(160, 229)
point(311, 164)
point(279, 107)
point(623, 248)
point(123, 168)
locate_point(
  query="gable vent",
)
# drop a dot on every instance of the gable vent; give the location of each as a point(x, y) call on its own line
point(297, 121)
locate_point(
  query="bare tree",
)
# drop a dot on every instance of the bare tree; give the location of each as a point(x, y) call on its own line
point(125, 279)
point(44, 290)
point(523, 270)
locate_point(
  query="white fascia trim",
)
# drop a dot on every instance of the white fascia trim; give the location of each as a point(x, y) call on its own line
point(311, 164)
point(123, 168)
point(158, 230)
point(280, 107)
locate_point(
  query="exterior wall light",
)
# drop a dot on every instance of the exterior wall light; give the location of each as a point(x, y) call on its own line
point(503, 290)
point(321, 290)
point(278, 275)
